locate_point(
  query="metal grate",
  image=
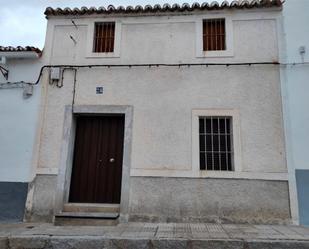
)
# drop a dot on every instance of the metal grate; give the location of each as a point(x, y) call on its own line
point(214, 35)
point(216, 149)
point(104, 37)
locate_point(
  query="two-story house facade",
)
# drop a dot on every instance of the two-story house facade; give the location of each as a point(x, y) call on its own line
point(162, 113)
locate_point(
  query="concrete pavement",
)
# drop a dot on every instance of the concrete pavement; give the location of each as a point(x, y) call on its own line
point(151, 235)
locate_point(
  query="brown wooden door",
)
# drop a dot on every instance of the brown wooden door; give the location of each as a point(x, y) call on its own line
point(97, 164)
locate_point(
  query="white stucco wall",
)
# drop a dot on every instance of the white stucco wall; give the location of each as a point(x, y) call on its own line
point(163, 98)
point(18, 125)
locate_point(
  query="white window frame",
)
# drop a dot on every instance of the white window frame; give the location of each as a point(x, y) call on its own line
point(228, 52)
point(90, 37)
point(196, 114)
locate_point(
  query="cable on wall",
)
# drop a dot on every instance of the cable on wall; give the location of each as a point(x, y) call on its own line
point(179, 65)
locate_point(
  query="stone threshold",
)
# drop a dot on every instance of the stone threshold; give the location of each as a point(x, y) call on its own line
point(91, 207)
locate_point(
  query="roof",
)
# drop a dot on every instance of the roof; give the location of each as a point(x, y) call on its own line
point(27, 52)
point(20, 49)
point(157, 8)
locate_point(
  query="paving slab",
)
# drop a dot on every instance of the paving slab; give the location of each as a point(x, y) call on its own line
point(288, 232)
point(216, 231)
point(152, 236)
point(7, 229)
point(301, 230)
point(199, 231)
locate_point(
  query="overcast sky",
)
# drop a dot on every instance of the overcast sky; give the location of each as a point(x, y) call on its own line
point(23, 23)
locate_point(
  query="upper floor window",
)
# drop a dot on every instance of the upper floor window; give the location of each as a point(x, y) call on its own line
point(214, 38)
point(104, 37)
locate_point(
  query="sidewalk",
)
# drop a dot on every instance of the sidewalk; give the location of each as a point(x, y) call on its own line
point(149, 235)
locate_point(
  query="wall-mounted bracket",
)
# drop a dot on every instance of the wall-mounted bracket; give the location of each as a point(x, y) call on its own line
point(4, 72)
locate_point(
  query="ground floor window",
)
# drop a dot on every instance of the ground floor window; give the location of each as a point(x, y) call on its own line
point(215, 143)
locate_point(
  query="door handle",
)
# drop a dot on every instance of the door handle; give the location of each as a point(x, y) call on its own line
point(111, 160)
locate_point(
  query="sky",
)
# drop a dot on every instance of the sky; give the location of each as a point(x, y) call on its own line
point(23, 22)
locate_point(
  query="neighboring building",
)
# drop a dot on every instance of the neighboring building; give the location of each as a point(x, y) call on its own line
point(19, 109)
point(135, 122)
point(295, 88)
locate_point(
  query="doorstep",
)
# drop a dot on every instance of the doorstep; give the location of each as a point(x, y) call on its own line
point(151, 235)
point(86, 219)
point(87, 214)
point(91, 207)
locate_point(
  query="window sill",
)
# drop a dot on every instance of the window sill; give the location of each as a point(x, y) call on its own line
point(243, 175)
point(209, 174)
point(214, 54)
point(103, 55)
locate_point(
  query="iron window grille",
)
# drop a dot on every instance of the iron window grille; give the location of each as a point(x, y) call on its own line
point(104, 37)
point(215, 143)
point(214, 35)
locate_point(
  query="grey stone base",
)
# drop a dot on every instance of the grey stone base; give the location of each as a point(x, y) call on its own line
point(163, 199)
point(158, 199)
point(12, 201)
point(42, 208)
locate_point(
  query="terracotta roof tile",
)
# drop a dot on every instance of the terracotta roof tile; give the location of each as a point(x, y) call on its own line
point(20, 49)
point(236, 4)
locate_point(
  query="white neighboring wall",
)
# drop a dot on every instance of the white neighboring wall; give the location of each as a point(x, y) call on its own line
point(296, 19)
point(295, 88)
point(18, 122)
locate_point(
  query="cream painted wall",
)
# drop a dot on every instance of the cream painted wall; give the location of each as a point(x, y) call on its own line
point(163, 106)
point(163, 98)
point(163, 39)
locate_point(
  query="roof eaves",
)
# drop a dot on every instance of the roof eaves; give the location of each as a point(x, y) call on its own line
point(20, 49)
point(157, 8)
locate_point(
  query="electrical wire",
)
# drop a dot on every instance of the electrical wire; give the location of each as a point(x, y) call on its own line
point(148, 65)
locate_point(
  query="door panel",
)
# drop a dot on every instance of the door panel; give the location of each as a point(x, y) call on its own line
point(97, 164)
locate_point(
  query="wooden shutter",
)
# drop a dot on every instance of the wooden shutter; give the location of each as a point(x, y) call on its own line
point(104, 37)
point(214, 35)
